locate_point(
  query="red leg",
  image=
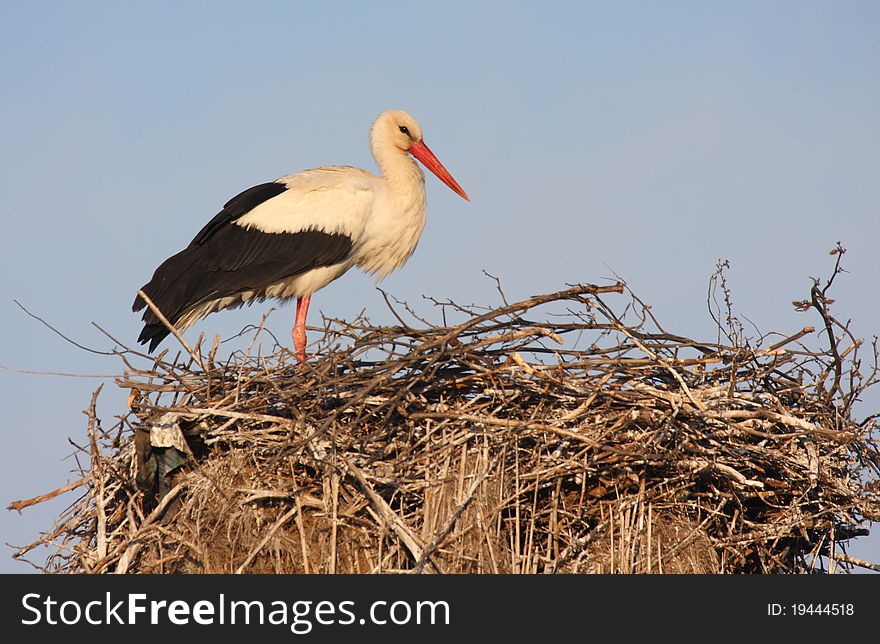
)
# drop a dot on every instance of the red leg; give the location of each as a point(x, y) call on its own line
point(299, 327)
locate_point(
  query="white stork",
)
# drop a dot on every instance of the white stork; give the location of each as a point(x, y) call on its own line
point(292, 236)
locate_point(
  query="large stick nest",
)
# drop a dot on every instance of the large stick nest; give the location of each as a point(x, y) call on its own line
point(550, 435)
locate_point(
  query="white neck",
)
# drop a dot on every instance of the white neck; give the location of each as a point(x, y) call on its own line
point(398, 215)
point(402, 173)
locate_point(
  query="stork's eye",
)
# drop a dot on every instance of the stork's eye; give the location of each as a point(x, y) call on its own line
point(404, 129)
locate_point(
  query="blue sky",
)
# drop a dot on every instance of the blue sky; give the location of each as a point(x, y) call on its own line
point(646, 138)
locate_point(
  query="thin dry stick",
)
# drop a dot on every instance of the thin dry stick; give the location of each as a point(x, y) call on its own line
point(792, 338)
point(57, 332)
point(284, 518)
point(334, 525)
point(302, 535)
point(98, 480)
point(845, 558)
point(134, 543)
point(398, 525)
point(63, 374)
point(25, 503)
point(155, 309)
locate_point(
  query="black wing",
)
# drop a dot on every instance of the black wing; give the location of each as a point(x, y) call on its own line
point(225, 259)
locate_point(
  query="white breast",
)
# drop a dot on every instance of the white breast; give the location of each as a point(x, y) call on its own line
point(393, 229)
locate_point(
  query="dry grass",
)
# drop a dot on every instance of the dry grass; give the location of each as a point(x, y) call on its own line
point(560, 434)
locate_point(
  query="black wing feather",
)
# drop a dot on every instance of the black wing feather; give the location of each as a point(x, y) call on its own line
point(237, 207)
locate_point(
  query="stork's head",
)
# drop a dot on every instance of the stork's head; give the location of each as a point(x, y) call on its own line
point(397, 129)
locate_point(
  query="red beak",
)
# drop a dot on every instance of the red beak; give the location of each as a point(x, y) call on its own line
point(421, 152)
